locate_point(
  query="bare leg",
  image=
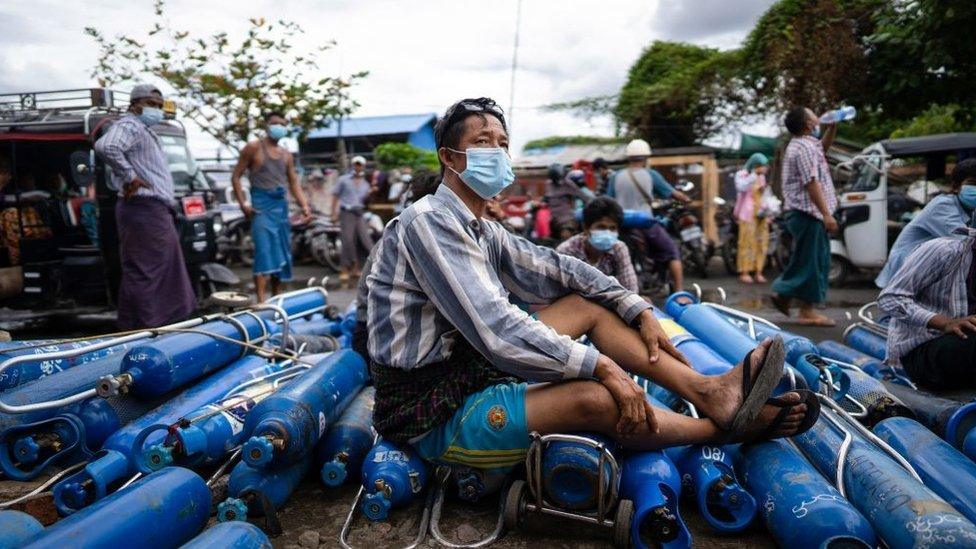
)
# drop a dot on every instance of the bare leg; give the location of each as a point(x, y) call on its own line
point(261, 287)
point(677, 274)
point(275, 285)
point(588, 406)
point(717, 397)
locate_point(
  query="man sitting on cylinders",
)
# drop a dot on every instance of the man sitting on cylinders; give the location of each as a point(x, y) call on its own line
point(451, 351)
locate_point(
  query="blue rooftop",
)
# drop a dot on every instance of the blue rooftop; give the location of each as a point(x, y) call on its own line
point(375, 125)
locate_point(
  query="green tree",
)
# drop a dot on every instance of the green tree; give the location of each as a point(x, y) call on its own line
point(224, 85)
point(395, 155)
point(809, 52)
point(922, 53)
point(677, 93)
point(935, 119)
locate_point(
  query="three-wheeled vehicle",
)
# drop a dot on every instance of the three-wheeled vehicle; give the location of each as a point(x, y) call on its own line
point(60, 248)
point(872, 211)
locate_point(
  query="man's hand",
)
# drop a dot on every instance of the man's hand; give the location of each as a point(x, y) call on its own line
point(306, 214)
point(131, 187)
point(957, 326)
point(680, 196)
point(656, 339)
point(831, 224)
point(249, 211)
point(631, 399)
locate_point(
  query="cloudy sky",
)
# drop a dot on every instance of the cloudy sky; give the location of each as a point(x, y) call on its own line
point(421, 55)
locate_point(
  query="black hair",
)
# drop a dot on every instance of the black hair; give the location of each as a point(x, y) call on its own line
point(796, 120)
point(599, 162)
point(601, 207)
point(271, 114)
point(964, 170)
point(450, 127)
point(424, 182)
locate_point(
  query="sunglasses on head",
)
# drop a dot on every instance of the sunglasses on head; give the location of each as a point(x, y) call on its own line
point(463, 108)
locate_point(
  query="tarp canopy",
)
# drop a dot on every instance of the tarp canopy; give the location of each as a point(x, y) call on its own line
point(944, 143)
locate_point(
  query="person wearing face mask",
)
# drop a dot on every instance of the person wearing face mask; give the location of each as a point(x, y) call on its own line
point(598, 244)
point(451, 354)
point(155, 287)
point(349, 197)
point(809, 201)
point(940, 217)
point(270, 167)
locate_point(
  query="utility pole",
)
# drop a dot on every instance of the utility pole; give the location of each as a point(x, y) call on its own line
point(511, 89)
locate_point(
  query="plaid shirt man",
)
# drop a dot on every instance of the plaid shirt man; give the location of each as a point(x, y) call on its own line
point(805, 160)
point(615, 262)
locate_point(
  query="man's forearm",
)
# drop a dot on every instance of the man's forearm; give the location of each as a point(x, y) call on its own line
point(816, 196)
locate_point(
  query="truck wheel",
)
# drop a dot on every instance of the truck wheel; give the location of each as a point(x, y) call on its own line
point(839, 271)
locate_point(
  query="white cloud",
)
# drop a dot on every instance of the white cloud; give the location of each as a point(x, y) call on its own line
point(421, 55)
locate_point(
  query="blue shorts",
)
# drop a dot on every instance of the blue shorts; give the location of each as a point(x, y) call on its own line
point(488, 432)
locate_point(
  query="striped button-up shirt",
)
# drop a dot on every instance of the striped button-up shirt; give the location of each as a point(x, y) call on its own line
point(931, 281)
point(803, 162)
point(133, 150)
point(441, 274)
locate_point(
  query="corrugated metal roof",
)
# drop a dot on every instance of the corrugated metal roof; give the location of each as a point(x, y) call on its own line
point(374, 125)
point(567, 154)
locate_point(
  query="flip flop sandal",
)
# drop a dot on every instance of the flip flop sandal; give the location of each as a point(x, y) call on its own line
point(781, 303)
point(756, 392)
point(811, 416)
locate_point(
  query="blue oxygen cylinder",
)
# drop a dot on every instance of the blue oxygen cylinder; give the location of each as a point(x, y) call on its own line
point(285, 427)
point(838, 351)
point(473, 484)
point(953, 421)
point(230, 535)
point(16, 528)
point(796, 345)
point(316, 327)
point(392, 477)
point(29, 371)
point(800, 508)
point(703, 359)
point(944, 469)
point(258, 492)
point(637, 219)
point(207, 434)
point(904, 512)
point(652, 482)
point(339, 455)
point(866, 341)
point(571, 473)
point(121, 453)
point(707, 475)
point(164, 509)
point(171, 361)
point(74, 434)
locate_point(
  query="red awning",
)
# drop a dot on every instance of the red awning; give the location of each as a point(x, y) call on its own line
point(21, 136)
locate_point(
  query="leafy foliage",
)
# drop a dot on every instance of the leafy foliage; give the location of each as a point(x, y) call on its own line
point(556, 140)
point(809, 52)
point(675, 93)
point(226, 85)
point(396, 155)
point(935, 119)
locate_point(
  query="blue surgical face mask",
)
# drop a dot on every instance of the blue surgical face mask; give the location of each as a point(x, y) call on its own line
point(277, 131)
point(151, 116)
point(967, 195)
point(488, 172)
point(603, 239)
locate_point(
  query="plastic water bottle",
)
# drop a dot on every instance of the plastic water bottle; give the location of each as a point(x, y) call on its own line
point(838, 115)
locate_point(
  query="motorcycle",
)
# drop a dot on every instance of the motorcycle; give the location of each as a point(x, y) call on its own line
point(317, 238)
point(684, 227)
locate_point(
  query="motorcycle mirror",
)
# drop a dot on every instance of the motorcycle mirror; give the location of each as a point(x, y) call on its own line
point(718, 201)
point(685, 186)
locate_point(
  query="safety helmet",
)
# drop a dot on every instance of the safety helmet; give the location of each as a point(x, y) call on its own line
point(556, 172)
point(637, 148)
point(577, 176)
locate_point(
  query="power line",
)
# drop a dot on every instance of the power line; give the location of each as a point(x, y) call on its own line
point(511, 89)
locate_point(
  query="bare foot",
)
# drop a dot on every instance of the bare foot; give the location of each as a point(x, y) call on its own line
point(723, 394)
point(815, 319)
point(788, 427)
point(761, 279)
point(745, 278)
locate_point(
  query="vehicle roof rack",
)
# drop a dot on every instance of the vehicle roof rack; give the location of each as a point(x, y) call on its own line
point(38, 108)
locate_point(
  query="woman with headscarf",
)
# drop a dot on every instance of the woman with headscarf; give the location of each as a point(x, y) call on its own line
point(750, 184)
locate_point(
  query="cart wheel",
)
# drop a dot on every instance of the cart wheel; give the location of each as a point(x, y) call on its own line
point(514, 505)
point(230, 299)
point(622, 522)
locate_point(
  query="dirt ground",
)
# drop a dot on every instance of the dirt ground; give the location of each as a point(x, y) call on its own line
point(313, 517)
